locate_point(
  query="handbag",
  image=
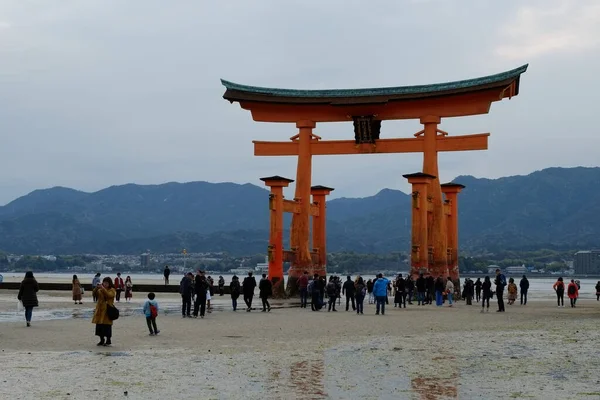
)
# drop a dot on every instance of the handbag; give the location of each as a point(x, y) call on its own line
point(112, 312)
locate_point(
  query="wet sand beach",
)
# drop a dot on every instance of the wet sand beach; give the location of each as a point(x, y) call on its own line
point(536, 351)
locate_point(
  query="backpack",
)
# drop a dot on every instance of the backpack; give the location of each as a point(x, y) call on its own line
point(571, 290)
point(112, 312)
point(153, 311)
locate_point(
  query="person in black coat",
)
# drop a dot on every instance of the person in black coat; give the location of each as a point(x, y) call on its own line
point(410, 288)
point(430, 288)
point(248, 287)
point(524, 284)
point(487, 293)
point(201, 286)
point(421, 285)
point(28, 295)
point(349, 290)
point(478, 289)
point(400, 297)
point(266, 290)
point(186, 290)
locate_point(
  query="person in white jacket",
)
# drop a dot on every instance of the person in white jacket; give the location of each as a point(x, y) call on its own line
point(449, 290)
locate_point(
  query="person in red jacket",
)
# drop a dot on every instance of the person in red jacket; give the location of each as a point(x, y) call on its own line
point(303, 286)
point(119, 286)
point(573, 292)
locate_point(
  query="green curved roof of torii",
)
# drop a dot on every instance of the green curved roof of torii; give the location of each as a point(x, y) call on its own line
point(236, 92)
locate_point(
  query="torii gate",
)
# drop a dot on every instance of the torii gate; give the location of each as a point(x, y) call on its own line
point(435, 227)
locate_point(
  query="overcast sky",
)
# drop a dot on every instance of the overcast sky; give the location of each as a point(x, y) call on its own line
point(96, 93)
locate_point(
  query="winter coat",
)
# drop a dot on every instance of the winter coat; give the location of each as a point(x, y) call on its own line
point(380, 287)
point(185, 286)
point(201, 285)
point(348, 288)
point(512, 291)
point(421, 284)
point(524, 284)
point(146, 307)
point(27, 292)
point(572, 293)
point(248, 285)
point(266, 288)
point(235, 289)
point(76, 290)
point(105, 297)
point(303, 282)
point(450, 287)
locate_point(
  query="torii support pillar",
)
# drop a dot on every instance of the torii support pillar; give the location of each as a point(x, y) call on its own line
point(420, 261)
point(275, 252)
point(451, 191)
point(319, 230)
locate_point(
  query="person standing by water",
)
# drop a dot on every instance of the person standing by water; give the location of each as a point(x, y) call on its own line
point(95, 283)
point(150, 309)
point(28, 295)
point(449, 290)
point(559, 288)
point(106, 298)
point(478, 285)
point(524, 285)
point(370, 291)
point(360, 293)
point(486, 287)
point(221, 286)
point(303, 288)
point(410, 288)
point(235, 290)
point(185, 290)
point(380, 292)
point(439, 291)
point(128, 289)
point(349, 291)
point(248, 287)
point(266, 290)
point(400, 297)
point(331, 294)
point(119, 286)
point(598, 291)
point(166, 274)
point(512, 292)
point(573, 292)
point(421, 289)
point(76, 290)
point(202, 293)
point(500, 282)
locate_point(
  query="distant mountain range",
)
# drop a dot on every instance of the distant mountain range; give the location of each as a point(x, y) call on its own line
point(555, 207)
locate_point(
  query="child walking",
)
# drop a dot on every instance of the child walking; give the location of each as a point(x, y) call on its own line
point(151, 312)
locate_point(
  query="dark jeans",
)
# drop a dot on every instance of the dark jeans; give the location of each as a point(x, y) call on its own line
point(500, 295)
point(469, 300)
point(524, 296)
point(573, 301)
point(234, 303)
point(303, 297)
point(380, 304)
point(402, 299)
point(186, 305)
point(28, 313)
point(410, 296)
point(560, 298)
point(316, 303)
point(118, 296)
point(359, 303)
point(166, 279)
point(248, 300)
point(332, 303)
point(265, 303)
point(152, 324)
point(420, 298)
point(478, 295)
point(94, 296)
point(221, 290)
point(350, 297)
point(200, 303)
point(484, 299)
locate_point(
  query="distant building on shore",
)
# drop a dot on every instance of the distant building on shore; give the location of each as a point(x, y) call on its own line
point(145, 259)
point(587, 262)
point(516, 270)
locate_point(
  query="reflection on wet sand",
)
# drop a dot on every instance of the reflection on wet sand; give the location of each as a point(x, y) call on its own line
point(306, 378)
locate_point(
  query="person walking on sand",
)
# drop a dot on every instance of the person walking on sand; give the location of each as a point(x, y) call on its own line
point(559, 288)
point(360, 293)
point(486, 289)
point(235, 290)
point(439, 291)
point(128, 289)
point(573, 293)
point(28, 295)
point(410, 288)
point(150, 309)
point(598, 291)
point(449, 291)
point(185, 290)
point(331, 291)
point(202, 293)
point(524, 285)
point(76, 290)
point(512, 292)
point(380, 292)
point(349, 291)
point(469, 286)
point(303, 288)
point(95, 283)
point(106, 298)
point(500, 282)
point(119, 286)
point(265, 288)
point(166, 274)
point(221, 286)
point(248, 287)
point(478, 285)
point(421, 285)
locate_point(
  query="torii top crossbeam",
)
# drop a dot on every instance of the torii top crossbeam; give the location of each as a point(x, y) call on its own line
point(451, 99)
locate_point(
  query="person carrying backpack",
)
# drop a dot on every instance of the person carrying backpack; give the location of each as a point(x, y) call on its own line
point(573, 292)
point(151, 312)
point(559, 288)
point(331, 293)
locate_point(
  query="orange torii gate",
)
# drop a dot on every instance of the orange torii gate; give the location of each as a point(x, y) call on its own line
point(434, 226)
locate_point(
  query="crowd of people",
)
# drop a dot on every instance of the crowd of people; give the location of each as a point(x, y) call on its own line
point(199, 289)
